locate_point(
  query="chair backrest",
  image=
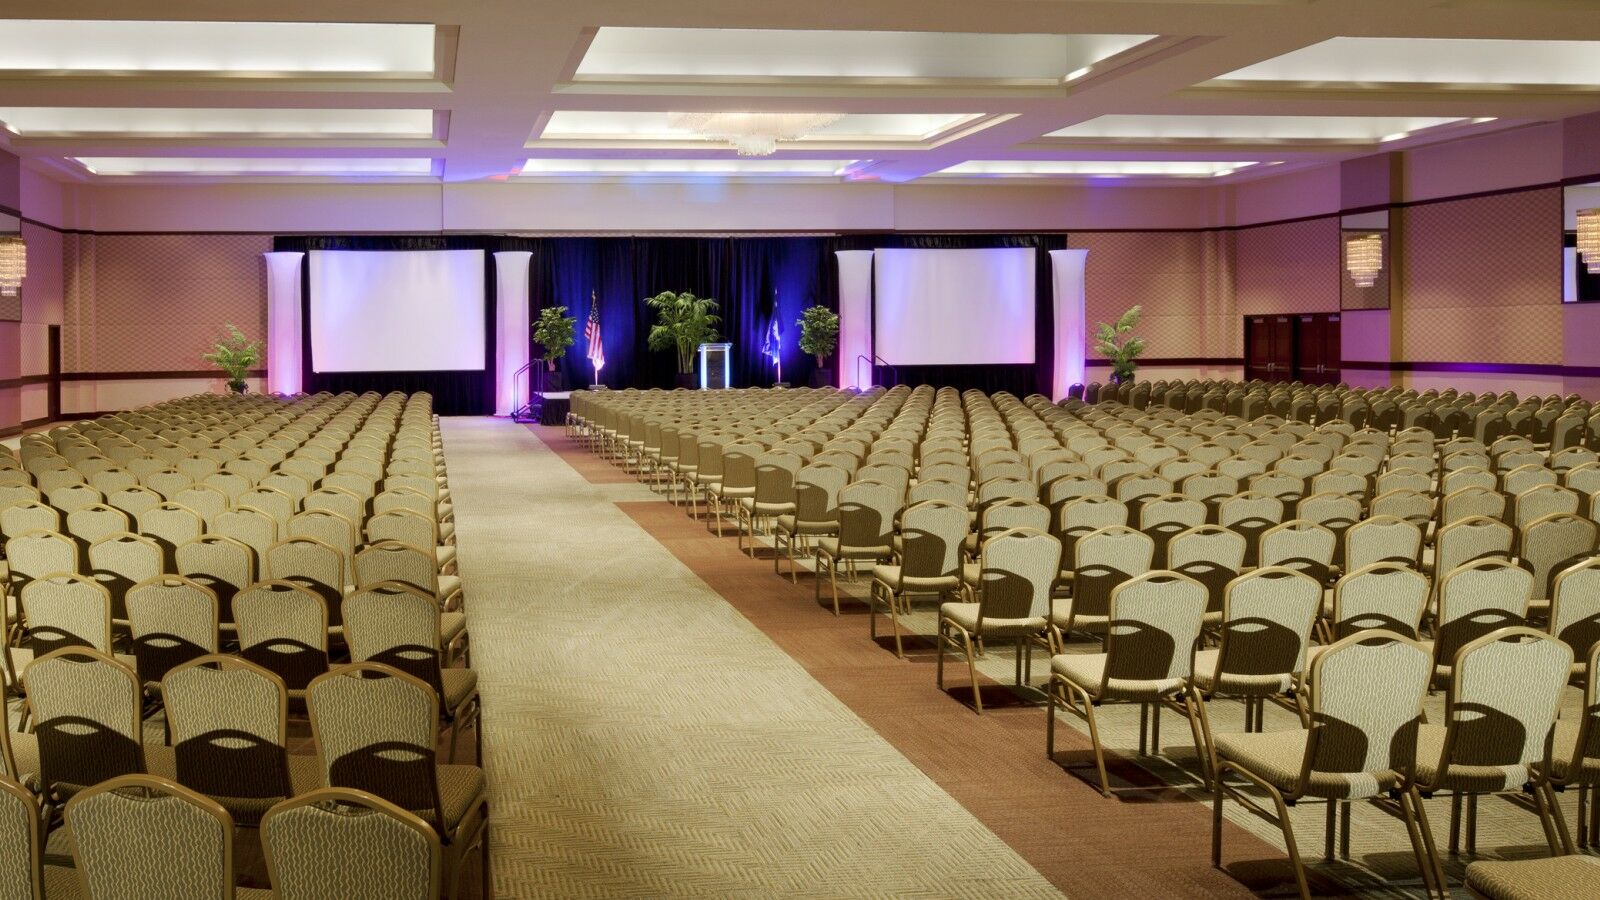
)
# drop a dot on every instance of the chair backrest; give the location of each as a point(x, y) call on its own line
point(1471, 501)
point(1016, 570)
point(1102, 560)
point(931, 535)
point(1366, 708)
point(228, 721)
point(397, 625)
point(330, 528)
point(86, 710)
point(1575, 607)
point(121, 560)
point(1543, 500)
point(35, 554)
point(143, 836)
point(1382, 539)
point(1553, 543)
point(1385, 596)
point(66, 610)
point(375, 730)
point(1474, 537)
point(172, 620)
point(1015, 512)
point(252, 527)
point(346, 503)
point(283, 627)
point(1505, 690)
point(1300, 545)
point(337, 842)
point(312, 563)
point(1155, 624)
point(28, 515)
point(1267, 616)
point(866, 514)
point(1477, 598)
point(406, 526)
point(21, 843)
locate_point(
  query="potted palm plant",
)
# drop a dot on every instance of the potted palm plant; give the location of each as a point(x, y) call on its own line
point(554, 332)
point(819, 336)
point(684, 322)
point(1114, 343)
point(235, 355)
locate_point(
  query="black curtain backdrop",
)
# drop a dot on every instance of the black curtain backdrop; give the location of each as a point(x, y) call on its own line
point(455, 393)
point(753, 279)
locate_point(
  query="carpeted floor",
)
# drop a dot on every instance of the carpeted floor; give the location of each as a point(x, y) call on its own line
point(642, 738)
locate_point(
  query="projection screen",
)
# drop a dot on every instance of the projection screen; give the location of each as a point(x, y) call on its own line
point(954, 307)
point(397, 310)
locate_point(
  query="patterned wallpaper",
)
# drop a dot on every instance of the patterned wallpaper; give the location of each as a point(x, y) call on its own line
point(1288, 268)
point(1483, 279)
point(1179, 277)
point(156, 302)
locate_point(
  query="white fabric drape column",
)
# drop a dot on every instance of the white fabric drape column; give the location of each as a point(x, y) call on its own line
point(511, 337)
point(285, 328)
point(855, 317)
point(1071, 337)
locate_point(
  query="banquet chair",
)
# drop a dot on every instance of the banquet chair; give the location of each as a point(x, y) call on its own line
point(283, 628)
point(1553, 543)
point(927, 561)
point(251, 527)
point(375, 730)
point(342, 844)
point(313, 564)
point(86, 714)
point(774, 494)
point(416, 529)
point(1011, 599)
point(1575, 612)
point(171, 620)
point(817, 489)
point(867, 512)
point(1152, 626)
point(1300, 545)
point(1365, 704)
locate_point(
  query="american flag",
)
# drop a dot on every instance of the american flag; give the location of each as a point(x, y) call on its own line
point(591, 333)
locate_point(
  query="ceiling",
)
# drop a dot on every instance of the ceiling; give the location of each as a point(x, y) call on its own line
point(1122, 91)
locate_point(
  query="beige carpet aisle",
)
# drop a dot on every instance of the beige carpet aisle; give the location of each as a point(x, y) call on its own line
point(643, 739)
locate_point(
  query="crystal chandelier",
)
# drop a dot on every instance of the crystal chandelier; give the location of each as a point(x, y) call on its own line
point(1363, 257)
point(13, 265)
point(753, 134)
point(1589, 239)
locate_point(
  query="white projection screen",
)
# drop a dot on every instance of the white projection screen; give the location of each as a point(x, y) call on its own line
point(954, 307)
point(397, 310)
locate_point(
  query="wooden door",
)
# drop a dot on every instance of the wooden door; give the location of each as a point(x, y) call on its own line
point(1316, 348)
point(1269, 348)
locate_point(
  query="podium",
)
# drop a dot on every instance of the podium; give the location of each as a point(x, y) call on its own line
point(715, 370)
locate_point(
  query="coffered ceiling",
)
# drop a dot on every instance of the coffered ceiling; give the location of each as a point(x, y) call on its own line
point(1121, 91)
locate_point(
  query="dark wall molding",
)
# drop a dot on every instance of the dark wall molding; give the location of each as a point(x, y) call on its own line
point(20, 427)
point(1474, 368)
point(170, 375)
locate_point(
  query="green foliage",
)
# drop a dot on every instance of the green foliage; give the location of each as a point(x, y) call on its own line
point(554, 332)
point(819, 330)
point(684, 322)
point(235, 355)
point(1113, 342)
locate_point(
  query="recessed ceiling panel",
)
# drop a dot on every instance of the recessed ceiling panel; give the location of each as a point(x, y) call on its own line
point(657, 126)
point(1253, 128)
point(30, 121)
point(110, 47)
point(222, 165)
point(1432, 61)
point(1099, 168)
point(754, 53)
point(687, 167)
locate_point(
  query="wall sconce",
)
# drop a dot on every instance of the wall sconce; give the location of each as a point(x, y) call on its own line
point(1363, 258)
point(1589, 239)
point(13, 264)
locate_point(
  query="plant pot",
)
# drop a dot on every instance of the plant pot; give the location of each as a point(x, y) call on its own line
point(555, 381)
point(688, 381)
point(821, 377)
point(239, 387)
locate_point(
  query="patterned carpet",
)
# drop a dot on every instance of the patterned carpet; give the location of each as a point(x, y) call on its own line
point(644, 739)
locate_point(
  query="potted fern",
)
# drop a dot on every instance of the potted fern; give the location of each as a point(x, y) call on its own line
point(684, 322)
point(819, 336)
point(235, 355)
point(1114, 343)
point(554, 332)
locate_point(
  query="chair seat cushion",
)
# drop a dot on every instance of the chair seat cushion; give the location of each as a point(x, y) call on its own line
point(1430, 745)
point(305, 774)
point(1563, 749)
point(445, 554)
point(1277, 756)
point(894, 578)
point(966, 615)
point(449, 584)
point(1088, 671)
point(790, 525)
point(1556, 878)
point(459, 684)
point(830, 547)
point(451, 624)
point(459, 788)
point(1232, 683)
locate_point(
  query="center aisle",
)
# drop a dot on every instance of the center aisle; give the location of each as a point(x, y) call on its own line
point(642, 738)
